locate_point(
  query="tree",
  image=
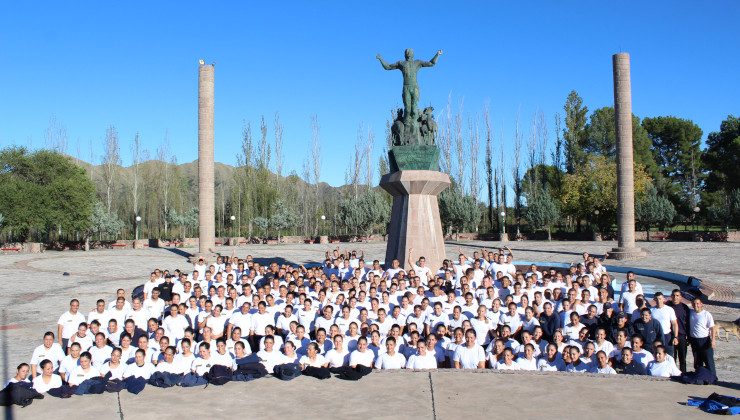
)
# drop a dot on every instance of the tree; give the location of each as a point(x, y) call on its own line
point(722, 157)
point(190, 219)
point(653, 210)
point(542, 212)
point(360, 214)
point(43, 191)
point(489, 168)
point(727, 212)
point(105, 224)
point(262, 223)
point(111, 164)
point(518, 185)
point(575, 131)
point(677, 151)
point(594, 187)
point(283, 218)
point(458, 211)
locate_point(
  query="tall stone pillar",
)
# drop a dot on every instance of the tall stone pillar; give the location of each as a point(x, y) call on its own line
point(206, 201)
point(415, 221)
point(626, 248)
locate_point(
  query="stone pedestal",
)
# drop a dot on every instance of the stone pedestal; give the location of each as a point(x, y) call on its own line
point(626, 248)
point(323, 239)
point(140, 243)
point(415, 221)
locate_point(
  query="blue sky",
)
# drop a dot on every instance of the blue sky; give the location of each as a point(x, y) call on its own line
point(134, 65)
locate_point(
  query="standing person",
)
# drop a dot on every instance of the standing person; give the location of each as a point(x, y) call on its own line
point(701, 336)
point(68, 323)
point(682, 320)
point(666, 316)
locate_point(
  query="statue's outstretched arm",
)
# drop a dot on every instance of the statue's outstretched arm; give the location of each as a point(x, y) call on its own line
point(387, 66)
point(433, 61)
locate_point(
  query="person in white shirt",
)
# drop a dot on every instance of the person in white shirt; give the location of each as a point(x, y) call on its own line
point(313, 358)
point(361, 356)
point(602, 364)
point(204, 362)
point(47, 379)
point(221, 356)
point(528, 360)
point(469, 355)
point(628, 300)
point(120, 294)
point(139, 314)
point(269, 356)
point(21, 374)
point(99, 313)
point(101, 351)
point(391, 359)
point(551, 362)
point(141, 368)
point(68, 323)
point(70, 361)
point(168, 364)
point(508, 363)
point(174, 325)
point(49, 350)
point(661, 366)
point(639, 354)
point(84, 371)
point(114, 367)
point(422, 359)
point(666, 315)
point(701, 336)
point(338, 356)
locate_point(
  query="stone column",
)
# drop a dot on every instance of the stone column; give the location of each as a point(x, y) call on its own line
point(415, 221)
point(206, 201)
point(626, 248)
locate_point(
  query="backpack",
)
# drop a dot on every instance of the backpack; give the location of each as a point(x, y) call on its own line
point(134, 385)
point(193, 379)
point(18, 393)
point(114, 385)
point(702, 376)
point(219, 375)
point(64, 391)
point(287, 371)
point(317, 372)
point(91, 386)
point(253, 369)
point(164, 379)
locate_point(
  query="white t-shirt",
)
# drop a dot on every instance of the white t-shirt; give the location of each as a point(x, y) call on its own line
point(700, 323)
point(336, 358)
point(628, 299)
point(386, 361)
point(69, 323)
point(608, 370)
point(545, 365)
point(144, 371)
point(100, 355)
point(665, 369)
point(417, 361)
point(41, 387)
point(272, 359)
point(260, 321)
point(320, 361)
point(469, 358)
point(665, 315)
point(527, 364)
point(361, 358)
point(202, 366)
point(503, 366)
point(222, 359)
point(78, 375)
point(54, 354)
point(116, 372)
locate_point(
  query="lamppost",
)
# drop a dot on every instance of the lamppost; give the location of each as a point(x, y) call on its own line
point(323, 223)
point(503, 223)
point(138, 219)
point(696, 213)
point(232, 225)
point(597, 234)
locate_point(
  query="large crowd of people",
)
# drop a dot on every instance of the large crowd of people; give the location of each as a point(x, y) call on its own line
point(479, 311)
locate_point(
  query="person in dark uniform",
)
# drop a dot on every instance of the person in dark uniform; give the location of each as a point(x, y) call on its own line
point(648, 328)
point(628, 366)
point(682, 317)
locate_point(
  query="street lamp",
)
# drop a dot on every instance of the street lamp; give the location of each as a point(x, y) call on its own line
point(138, 219)
point(503, 223)
point(323, 224)
point(696, 213)
point(232, 224)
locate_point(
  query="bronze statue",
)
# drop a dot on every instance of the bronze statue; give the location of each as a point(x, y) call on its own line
point(408, 68)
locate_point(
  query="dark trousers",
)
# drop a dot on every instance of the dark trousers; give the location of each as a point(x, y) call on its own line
point(254, 342)
point(668, 344)
point(703, 353)
point(679, 352)
point(65, 344)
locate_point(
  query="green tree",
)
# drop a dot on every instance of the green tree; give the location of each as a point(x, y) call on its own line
point(594, 187)
point(361, 214)
point(458, 211)
point(43, 191)
point(542, 212)
point(677, 151)
point(190, 220)
point(574, 134)
point(283, 218)
point(654, 210)
point(601, 139)
point(722, 157)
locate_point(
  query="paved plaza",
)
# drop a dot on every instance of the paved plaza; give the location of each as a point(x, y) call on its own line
point(35, 292)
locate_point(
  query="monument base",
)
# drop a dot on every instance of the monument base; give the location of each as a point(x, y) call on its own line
point(415, 222)
point(631, 253)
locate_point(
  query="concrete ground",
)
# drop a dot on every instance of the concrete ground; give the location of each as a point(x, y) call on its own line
point(441, 394)
point(35, 292)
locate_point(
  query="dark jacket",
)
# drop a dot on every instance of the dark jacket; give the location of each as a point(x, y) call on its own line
point(632, 368)
point(650, 331)
point(549, 324)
